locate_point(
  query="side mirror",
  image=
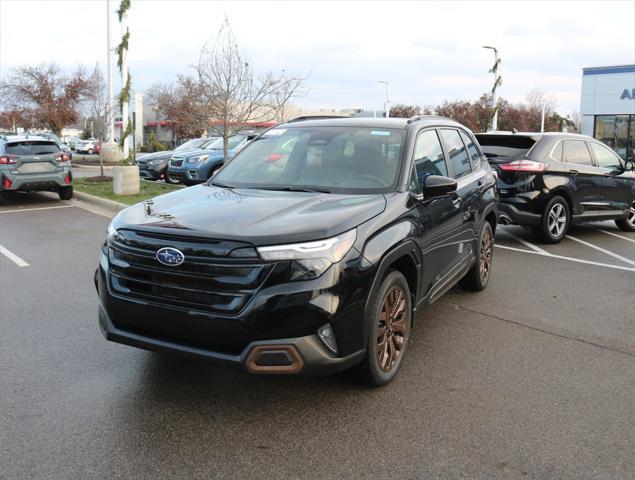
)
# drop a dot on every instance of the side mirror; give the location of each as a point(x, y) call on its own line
point(629, 166)
point(437, 186)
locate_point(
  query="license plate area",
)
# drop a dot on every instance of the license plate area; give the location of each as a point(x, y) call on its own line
point(36, 167)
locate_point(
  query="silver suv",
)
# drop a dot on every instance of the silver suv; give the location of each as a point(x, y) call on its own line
point(33, 163)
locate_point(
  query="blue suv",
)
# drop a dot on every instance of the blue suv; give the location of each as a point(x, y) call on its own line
point(196, 166)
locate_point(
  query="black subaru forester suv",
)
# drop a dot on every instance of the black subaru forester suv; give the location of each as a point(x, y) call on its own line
point(309, 252)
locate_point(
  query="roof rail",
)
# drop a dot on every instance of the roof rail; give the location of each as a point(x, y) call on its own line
point(416, 118)
point(315, 117)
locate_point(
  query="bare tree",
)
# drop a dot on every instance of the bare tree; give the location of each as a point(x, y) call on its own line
point(182, 104)
point(233, 94)
point(97, 107)
point(51, 98)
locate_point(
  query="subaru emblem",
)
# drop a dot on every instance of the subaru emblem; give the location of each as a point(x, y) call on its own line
point(170, 256)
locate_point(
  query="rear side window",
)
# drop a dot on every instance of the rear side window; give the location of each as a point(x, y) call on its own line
point(576, 151)
point(31, 148)
point(472, 151)
point(456, 152)
point(505, 148)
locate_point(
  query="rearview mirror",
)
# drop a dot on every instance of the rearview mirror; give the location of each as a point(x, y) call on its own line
point(437, 186)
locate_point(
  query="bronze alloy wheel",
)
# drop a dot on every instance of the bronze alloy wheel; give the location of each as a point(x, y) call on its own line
point(391, 328)
point(487, 245)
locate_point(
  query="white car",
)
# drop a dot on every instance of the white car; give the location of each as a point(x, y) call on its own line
point(88, 146)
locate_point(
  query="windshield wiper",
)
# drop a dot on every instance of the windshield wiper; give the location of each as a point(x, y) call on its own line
point(221, 185)
point(295, 189)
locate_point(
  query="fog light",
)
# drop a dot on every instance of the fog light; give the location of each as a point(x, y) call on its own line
point(325, 333)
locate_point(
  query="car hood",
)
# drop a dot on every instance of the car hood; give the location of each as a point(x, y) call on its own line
point(155, 155)
point(259, 217)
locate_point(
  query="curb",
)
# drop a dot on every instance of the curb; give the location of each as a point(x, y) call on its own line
point(104, 203)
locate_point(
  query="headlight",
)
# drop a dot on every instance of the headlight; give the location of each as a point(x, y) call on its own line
point(111, 232)
point(311, 259)
point(200, 159)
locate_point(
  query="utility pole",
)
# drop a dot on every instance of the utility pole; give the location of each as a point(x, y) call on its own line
point(111, 112)
point(124, 81)
point(387, 102)
point(542, 121)
point(497, 82)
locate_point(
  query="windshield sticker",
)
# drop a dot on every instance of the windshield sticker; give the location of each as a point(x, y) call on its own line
point(380, 132)
point(275, 131)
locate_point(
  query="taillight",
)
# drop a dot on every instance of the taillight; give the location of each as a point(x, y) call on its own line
point(7, 183)
point(68, 179)
point(7, 159)
point(523, 166)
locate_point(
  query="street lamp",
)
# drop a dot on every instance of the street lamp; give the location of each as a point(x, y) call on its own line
point(497, 81)
point(387, 103)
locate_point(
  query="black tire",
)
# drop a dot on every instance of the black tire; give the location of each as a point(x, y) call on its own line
point(555, 221)
point(65, 193)
point(627, 224)
point(478, 276)
point(396, 327)
point(3, 197)
point(168, 179)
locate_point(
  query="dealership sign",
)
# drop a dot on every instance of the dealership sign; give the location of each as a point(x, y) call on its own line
point(630, 94)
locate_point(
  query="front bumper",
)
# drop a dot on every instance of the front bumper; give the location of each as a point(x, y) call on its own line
point(35, 181)
point(151, 172)
point(187, 174)
point(313, 357)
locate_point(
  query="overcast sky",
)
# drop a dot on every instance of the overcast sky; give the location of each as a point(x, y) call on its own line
point(429, 51)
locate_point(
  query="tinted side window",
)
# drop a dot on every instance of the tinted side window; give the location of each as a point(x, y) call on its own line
point(605, 158)
point(456, 151)
point(428, 157)
point(575, 151)
point(557, 152)
point(472, 151)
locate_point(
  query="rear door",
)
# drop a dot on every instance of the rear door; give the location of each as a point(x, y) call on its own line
point(617, 184)
point(585, 178)
point(34, 156)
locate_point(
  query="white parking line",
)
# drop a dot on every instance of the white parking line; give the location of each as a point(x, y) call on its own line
point(38, 208)
point(603, 250)
point(632, 240)
point(526, 243)
point(570, 259)
point(13, 257)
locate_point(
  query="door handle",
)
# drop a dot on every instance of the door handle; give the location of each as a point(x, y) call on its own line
point(481, 187)
point(574, 172)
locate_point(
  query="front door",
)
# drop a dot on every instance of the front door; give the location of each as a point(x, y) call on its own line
point(617, 184)
point(586, 180)
point(439, 219)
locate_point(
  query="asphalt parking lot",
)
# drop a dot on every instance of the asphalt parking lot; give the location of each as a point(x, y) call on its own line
point(533, 378)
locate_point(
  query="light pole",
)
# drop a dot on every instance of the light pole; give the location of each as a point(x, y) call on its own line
point(111, 113)
point(387, 103)
point(497, 82)
point(542, 121)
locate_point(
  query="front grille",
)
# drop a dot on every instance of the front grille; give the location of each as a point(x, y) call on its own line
point(176, 161)
point(209, 279)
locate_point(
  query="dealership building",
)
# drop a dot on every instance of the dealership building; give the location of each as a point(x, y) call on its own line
point(607, 108)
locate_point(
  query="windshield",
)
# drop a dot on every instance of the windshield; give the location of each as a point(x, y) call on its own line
point(31, 148)
point(218, 143)
point(333, 159)
point(191, 144)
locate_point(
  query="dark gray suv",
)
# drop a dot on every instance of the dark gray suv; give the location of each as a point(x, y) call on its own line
point(33, 163)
